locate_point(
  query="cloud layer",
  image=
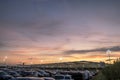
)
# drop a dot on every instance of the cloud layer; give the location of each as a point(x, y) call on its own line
point(68, 28)
point(114, 49)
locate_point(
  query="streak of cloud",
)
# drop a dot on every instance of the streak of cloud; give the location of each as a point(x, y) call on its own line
point(114, 48)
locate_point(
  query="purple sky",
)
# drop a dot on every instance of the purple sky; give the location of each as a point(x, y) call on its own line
point(53, 27)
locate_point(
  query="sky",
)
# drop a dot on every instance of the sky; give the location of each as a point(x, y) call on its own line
point(49, 31)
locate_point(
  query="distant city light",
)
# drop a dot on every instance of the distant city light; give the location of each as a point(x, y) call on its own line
point(60, 58)
point(31, 62)
point(41, 61)
point(6, 57)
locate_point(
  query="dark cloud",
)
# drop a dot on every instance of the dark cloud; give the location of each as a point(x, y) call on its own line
point(100, 41)
point(3, 44)
point(114, 48)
